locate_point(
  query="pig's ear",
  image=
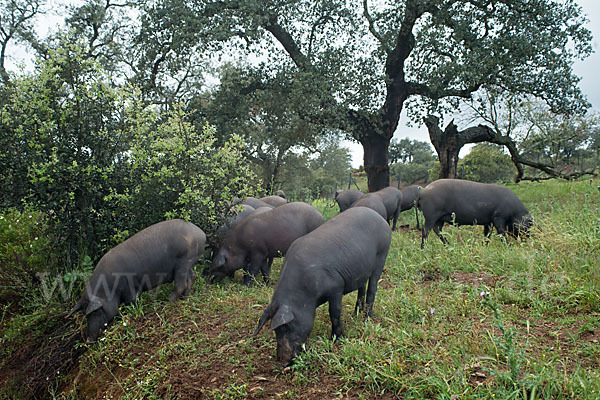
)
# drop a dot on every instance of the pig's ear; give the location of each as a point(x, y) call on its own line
point(267, 315)
point(77, 307)
point(283, 316)
point(94, 304)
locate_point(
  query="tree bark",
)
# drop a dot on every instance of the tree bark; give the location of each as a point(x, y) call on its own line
point(376, 161)
point(448, 143)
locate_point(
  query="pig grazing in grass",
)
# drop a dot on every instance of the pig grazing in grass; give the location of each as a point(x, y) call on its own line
point(410, 195)
point(472, 203)
point(163, 252)
point(339, 257)
point(254, 242)
point(372, 201)
point(345, 198)
point(239, 212)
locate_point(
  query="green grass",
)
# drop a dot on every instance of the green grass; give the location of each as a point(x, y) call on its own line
point(536, 335)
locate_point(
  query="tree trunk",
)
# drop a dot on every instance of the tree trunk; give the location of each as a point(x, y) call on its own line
point(448, 143)
point(376, 161)
point(448, 156)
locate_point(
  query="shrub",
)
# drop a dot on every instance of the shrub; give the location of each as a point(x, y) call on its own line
point(486, 163)
point(102, 163)
point(25, 252)
point(174, 171)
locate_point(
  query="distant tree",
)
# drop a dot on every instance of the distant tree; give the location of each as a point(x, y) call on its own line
point(151, 45)
point(16, 25)
point(330, 168)
point(107, 27)
point(171, 50)
point(558, 145)
point(414, 159)
point(296, 177)
point(406, 150)
point(563, 143)
point(265, 119)
point(487, 163)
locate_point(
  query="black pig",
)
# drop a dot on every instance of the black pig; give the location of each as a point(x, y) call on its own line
point(338, 257)
point(163, 252)
point(472, 203)
point(254, 202)
point(372, 201)
point(345, 198)
point(392, 200)
point(274, 201)
point(410, 195)
point(260, 238)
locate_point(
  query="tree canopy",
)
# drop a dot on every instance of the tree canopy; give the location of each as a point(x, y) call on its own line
point(354, 65)
point(347, 66)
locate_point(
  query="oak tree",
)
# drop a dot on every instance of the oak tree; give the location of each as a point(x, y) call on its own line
point(359, 64)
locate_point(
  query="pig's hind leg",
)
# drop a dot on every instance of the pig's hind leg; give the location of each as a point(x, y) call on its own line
point(335, 314)
point(183, 280)
point(360, 299)
point(373, 279)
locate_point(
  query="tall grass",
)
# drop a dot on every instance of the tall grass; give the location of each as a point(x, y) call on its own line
point(532, 334)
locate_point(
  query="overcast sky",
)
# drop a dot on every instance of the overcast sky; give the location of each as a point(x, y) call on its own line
point(588, 69)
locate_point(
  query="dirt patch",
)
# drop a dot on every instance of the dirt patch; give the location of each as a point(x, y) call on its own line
point(477, 375)
point(431, 274)
point(407, 228)
point(591, 336)
point(231, 363)
point(403, 228)
point(476, 279)
point(385, 283)
point(44, 360)
point(226, 372)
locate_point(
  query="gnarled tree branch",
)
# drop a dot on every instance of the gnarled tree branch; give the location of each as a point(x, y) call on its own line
point(448, 143)
point(372, 28)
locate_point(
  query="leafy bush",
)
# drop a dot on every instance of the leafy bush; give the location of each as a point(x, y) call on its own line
point(176, 171)
point(486, 163)
point(61, 131)
point(25, 252)
point(102, 163)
